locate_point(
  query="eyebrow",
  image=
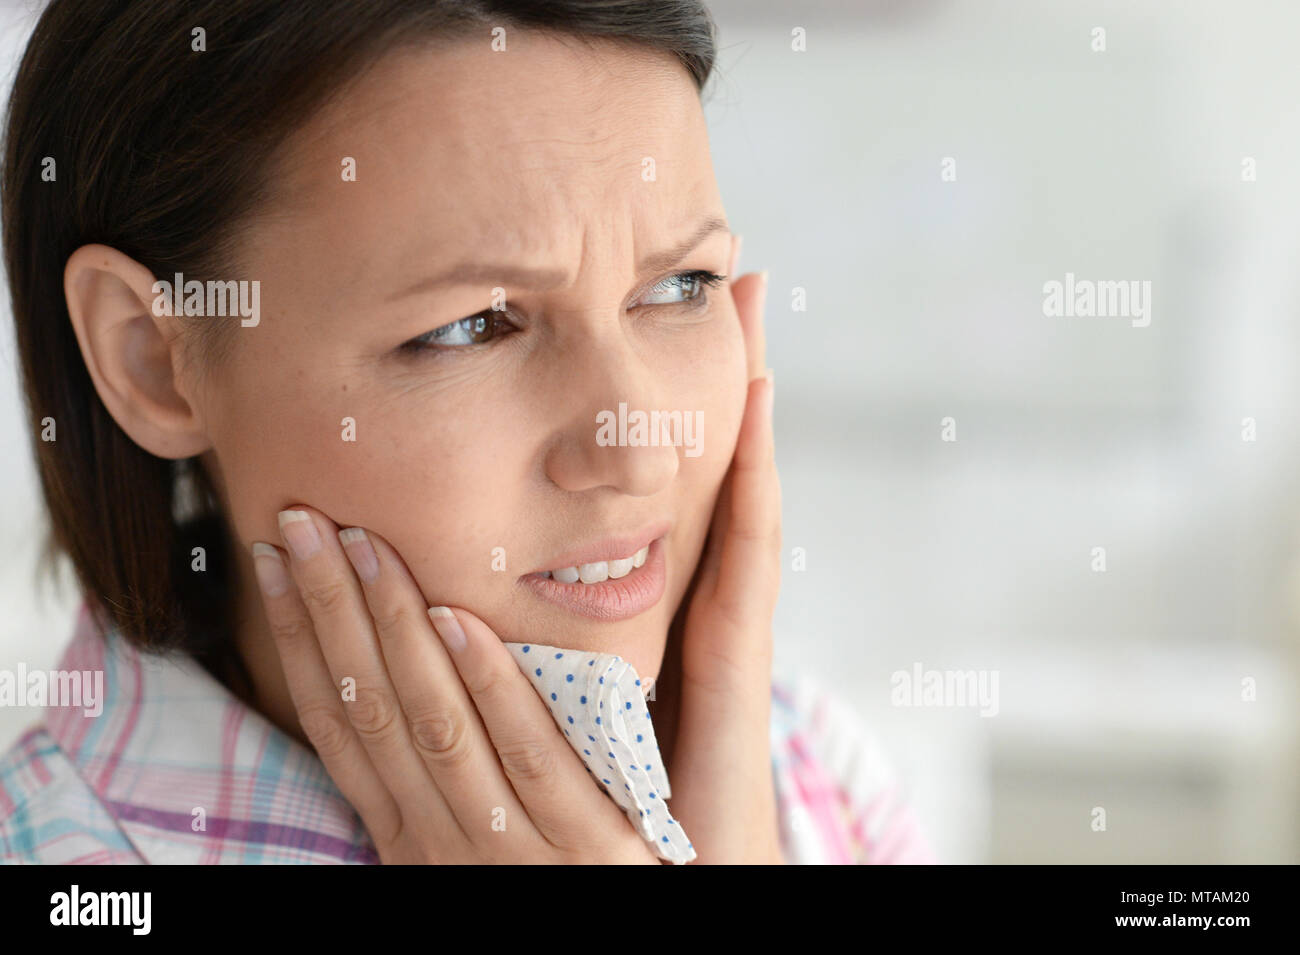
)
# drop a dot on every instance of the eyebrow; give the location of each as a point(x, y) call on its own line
point(540, 280)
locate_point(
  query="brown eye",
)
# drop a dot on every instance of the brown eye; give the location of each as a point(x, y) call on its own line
point(682, 288)
point(473, 330)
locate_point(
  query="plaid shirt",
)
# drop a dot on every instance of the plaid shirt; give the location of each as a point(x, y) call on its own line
point(176, 770)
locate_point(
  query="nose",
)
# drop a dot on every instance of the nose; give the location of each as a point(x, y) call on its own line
point(609, 436)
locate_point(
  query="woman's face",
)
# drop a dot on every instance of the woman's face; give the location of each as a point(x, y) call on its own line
point(559, 175)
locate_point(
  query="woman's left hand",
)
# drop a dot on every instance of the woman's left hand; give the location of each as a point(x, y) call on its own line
point(721, 769)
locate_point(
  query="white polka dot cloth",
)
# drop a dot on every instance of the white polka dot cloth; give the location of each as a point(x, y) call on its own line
point(596, 699)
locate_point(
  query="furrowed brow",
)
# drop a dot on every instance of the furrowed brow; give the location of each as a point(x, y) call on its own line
point(659, 261)
point(541, 280)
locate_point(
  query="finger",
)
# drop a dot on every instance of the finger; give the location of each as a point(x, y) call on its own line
point(750, 295)
point(550, 779)
point(445, 726)
point(320, 710)
point(736, 242)
point(748, 524)
point(726, 651)
point(345, 630)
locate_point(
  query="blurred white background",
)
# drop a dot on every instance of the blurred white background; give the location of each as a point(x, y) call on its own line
point(1119, 689)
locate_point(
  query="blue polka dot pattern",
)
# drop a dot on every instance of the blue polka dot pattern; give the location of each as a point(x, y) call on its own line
point(579, 697)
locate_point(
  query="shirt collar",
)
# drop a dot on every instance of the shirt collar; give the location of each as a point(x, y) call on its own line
point(189, 772)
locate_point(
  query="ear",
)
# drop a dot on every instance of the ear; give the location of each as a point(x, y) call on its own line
point(134, 357)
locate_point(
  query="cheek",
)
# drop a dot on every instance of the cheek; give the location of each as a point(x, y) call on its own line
point(438, 490)
point(272, 445)
point(420, 474)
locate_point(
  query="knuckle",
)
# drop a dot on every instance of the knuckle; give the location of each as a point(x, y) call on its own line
point(290, 630)
point(326, 597)
point(762, 533)
point(326, 729)
point(373, 714)
point(485, 685)
point(757, 533)
point(391, 620)
point(526, 760)
point(734, 615)
point(720, 675)
point(441, 737)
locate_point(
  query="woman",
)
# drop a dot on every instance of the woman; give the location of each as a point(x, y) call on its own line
point(326, 303)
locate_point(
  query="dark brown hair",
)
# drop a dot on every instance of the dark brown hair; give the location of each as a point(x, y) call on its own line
point(160, 151)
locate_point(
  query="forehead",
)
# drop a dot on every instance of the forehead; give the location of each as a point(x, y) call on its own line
point(459, 146)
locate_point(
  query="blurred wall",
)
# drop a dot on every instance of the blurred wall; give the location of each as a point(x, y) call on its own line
point(1119, 689)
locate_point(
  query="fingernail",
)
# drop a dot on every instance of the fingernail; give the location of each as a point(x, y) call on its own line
point(770, 375)
point(448, 627)
point(299, 532)
point(269, 568)
point(762, 291)
point(356, 544)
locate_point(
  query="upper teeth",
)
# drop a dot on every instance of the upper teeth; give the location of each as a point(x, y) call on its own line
point(601, 570)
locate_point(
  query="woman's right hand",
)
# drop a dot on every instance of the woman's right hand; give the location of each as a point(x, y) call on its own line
point(442, 746)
